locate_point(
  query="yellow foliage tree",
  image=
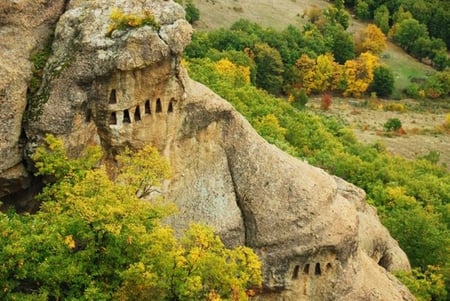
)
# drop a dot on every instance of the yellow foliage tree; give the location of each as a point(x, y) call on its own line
point(359, 74)
point(371, 39)
point(240, 75)
point(323, 73)
point(304, 69)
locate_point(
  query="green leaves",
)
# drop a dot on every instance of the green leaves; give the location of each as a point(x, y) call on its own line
point(96, 239)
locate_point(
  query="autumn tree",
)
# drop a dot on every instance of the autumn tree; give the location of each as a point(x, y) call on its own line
point(323, 73)
point(359, 74)
point(304, 73)
point(371, 39)
point(94, 238)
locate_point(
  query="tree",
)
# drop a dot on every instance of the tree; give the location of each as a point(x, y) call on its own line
point(359, 74)
point(408, 31)
point(323, 73)
point(337, 15)
point(343, 45)
point(95, 239)
point(238, 75)
point(362, 10)
point(401, 15)
point(192, 12)
point(383, 81)
point(304, 73)
point(269, 68)
point(381, 18)
point(371, 39)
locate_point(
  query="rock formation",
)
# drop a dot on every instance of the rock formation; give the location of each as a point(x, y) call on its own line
point(317, 237)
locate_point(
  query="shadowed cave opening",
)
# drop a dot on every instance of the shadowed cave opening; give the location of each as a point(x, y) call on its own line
point(137, 114)
point(170, 108)
point(306, 269)
point(158, 106)
point(295, 273)
point(113, 97)
point(147, 108)
point(126, 116)
point(317, 270)
point(113, 118)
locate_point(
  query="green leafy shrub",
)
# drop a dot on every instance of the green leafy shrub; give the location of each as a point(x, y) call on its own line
point(299, 98)
point(192, 12)
point(392, 125)
point(425, 286)
point(383, 81)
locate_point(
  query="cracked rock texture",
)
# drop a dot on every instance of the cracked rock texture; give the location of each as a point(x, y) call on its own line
point(315, 234)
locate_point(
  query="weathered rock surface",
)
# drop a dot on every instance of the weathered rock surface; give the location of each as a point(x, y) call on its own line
point(317, 237)
point(24, 26)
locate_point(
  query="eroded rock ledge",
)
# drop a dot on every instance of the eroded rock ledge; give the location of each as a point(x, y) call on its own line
point(317, 237)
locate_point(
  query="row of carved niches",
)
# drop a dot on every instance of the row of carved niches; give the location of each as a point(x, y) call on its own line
point(137, 113)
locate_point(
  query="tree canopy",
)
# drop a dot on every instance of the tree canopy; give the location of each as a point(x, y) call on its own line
point(97, 238)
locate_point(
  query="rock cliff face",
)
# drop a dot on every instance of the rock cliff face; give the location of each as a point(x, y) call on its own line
point(317, 237)
point(24, 27)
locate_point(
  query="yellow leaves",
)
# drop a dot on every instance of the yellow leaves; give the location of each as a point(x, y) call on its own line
point(269, 126)
point(214, 296)
point(69, 241)
point(319, 75)
point(397, 198)
point(240, 75)
point(116, 14)
point(143, 171)
point(121, 20)
point(359, 74)
point(108, 219)
point(371, 39)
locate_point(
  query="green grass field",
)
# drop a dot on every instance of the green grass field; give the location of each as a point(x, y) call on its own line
point(405, 68)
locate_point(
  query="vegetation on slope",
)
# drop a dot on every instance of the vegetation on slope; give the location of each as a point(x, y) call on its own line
point(412, 197)
point(101, 239)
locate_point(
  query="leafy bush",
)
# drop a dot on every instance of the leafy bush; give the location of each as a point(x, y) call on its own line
point(428, 285)
point(298, 98)
point(383, 81)
point(393, 124)
point(192, 12)
point(325, 102)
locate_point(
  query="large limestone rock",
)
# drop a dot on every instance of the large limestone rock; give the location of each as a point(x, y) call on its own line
point(317, 237)
point(24, 26)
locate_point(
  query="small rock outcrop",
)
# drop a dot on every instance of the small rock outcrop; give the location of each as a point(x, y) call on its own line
point(315, 234)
